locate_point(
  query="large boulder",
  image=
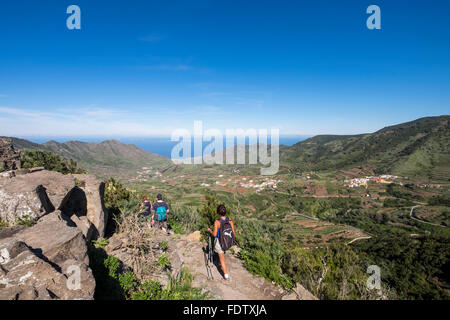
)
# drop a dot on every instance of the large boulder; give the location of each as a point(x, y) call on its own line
point(45, 261)
point(32, 195)
point(55, 238)
point(84, 205)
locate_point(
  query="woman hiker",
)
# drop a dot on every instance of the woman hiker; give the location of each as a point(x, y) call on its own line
point(227, 237)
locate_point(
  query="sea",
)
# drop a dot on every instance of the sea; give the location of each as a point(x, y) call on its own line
point(158, 145)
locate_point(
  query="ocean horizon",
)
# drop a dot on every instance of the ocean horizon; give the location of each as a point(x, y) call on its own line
point(158, 145)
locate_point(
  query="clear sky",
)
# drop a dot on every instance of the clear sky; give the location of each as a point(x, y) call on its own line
point(140, 68)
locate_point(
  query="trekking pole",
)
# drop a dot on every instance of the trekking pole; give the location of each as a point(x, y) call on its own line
point(205, 255)
point(209, 260)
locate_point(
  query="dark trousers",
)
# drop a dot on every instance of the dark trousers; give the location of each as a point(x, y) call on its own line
point(161, 224)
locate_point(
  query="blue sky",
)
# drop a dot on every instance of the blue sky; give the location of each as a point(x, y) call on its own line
point(140, 68)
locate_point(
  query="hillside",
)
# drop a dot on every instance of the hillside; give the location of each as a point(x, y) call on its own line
point(104, 159)
point(109, 157)
point(23, 144)
point(418, 148)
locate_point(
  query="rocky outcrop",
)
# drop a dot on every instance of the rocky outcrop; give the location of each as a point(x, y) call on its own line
point(49, 259)
point(96, 212)
point(9, 156)
point(187, 251)
point(46, 261)
point(33, 194)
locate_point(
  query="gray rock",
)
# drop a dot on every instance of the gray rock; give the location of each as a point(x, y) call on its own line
point(38, 192)
point(33, 195)
point(26, 276)
point(86, 199)
point(37, 262)
point(56, 239)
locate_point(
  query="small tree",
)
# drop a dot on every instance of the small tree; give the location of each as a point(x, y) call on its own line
point(208, 213)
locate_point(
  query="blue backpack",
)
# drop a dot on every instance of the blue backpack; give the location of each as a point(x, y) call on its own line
point(161, 213)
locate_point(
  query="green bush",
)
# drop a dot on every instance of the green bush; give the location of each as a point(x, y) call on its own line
point(116, 196)
point(50, 161)
point(163, 245)
point(164, 261)
point(179, 288)
point(207, 214)
point(128, 282)
point(25, 220)
point(439, 201)
point(101, 243)
point(411, 267)
point(183, 219)
point(112, 265)
point(396, 202)
point(262, 250)
point(149, 290)
point(329, 273)
point(105, 269)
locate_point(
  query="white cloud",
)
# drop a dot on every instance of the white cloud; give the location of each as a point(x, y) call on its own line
point(83, 122)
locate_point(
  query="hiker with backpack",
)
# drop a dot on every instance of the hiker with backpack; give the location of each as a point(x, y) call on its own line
point(146, 207)
point(161, 211)
point(223, 234)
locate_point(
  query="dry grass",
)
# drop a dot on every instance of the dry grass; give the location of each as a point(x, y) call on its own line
point(139, 245)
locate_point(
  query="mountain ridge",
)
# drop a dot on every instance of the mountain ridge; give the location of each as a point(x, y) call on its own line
point(417, 148)
point(104, 159)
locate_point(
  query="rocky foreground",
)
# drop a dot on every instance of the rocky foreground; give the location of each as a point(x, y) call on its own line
point(48, 260)
point(188, 251)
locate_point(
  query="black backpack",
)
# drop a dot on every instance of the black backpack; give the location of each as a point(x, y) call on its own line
point(226, 237)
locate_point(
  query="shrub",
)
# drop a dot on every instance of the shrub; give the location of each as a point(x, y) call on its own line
point(105, 269)
point(178, 288)
point(116, 195)
point(439, 200)
point(262, 250)
point(183, 219)
point(128, 282)
point(50, 161)
point(112, 265)
point(149, 290)
point(164, 261)
point(101, 243)
point(329, 273)
point(25, 220)
point(208, 213)
point(163, 245)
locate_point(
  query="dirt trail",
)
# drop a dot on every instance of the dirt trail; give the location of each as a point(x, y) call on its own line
point(242, 286)
point(412, 216)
